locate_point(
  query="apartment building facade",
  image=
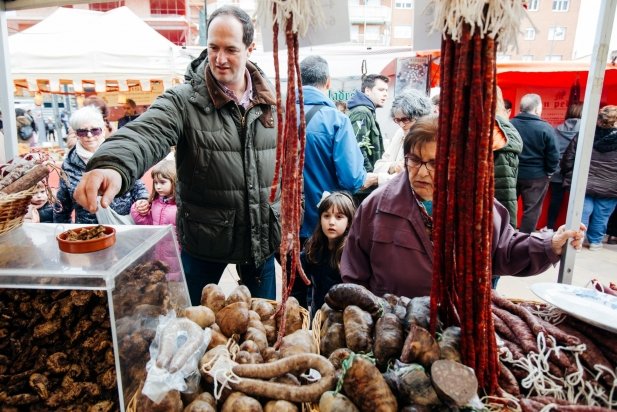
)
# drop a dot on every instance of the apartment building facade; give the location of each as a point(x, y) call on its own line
point(549, 33)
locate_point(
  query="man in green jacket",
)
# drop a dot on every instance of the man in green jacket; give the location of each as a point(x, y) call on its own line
point(372, 95)
point(222, 122)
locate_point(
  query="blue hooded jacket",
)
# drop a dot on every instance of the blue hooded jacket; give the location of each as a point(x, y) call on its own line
point(333, 160)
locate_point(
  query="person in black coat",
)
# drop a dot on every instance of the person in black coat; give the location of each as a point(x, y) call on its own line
point(537, 162)
point(130, 113)
point(565, 132)
point(611, 229)
point(601, 191)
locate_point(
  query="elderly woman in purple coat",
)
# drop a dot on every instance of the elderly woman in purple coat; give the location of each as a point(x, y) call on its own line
point(389, 248)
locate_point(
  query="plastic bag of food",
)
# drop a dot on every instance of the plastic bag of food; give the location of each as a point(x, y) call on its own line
point(178, 345)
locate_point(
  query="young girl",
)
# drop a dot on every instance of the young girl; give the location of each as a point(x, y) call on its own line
point(160, 208)
point(40, 201)
point(322, 252)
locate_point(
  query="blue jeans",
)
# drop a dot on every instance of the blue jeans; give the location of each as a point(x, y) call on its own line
point(596, 211)
point(260, 280)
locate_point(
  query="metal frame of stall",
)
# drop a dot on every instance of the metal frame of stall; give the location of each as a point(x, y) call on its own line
point(583, 153)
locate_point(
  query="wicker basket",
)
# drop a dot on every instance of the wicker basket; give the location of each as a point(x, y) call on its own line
point(13, 208)
point(316, 331)
point(306, 317)
point(132, 405)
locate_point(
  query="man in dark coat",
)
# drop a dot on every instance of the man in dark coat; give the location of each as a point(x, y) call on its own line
point(130, 113)
point(222, 122)
point(538, 160)
point(371, 96)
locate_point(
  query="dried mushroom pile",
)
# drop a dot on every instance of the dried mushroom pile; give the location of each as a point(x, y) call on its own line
point(56, 351)
point(136, 323)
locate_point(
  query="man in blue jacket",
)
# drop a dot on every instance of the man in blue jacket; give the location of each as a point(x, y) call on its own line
point(538, 160)
point(333, 160)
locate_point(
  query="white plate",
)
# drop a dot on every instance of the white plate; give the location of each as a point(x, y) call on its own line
point(590, 305)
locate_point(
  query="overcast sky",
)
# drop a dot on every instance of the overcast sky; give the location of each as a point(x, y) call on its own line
point(586, 30)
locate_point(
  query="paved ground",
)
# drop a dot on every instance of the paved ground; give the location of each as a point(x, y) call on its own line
point(601, 265)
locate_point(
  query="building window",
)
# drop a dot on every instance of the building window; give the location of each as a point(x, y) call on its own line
point(530, 33)
point(527, 57)
point(402, 32)
point(561, 5)
point(403, 4)
point(372, 32)
point(177, 7)
point(355, 32)
point(533, 5)
point(503, 57)
point(552, 57)
point(557, 33)
point(106, 6)
point(373, 3)
point(177, 37)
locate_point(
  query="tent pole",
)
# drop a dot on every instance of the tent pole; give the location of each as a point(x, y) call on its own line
point(593, 93)
point(6, 94)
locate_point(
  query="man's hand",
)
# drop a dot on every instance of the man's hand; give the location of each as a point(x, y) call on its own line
point(562, 235)
point(104, 182)
point(142, 207)
point(371, 180)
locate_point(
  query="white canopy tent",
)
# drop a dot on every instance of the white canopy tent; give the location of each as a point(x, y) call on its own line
point(83, 45)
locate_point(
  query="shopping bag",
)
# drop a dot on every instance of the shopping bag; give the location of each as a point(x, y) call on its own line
point(108, 216)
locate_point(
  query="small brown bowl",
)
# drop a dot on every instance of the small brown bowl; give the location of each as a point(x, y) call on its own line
point(86, 246)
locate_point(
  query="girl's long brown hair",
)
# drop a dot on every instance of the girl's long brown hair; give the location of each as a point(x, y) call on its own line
point(165, 169)
point(317, 244)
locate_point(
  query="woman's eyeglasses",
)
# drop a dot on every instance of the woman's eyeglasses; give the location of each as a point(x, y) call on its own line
point(95, 131)
point(402, 120)
point(416, 163)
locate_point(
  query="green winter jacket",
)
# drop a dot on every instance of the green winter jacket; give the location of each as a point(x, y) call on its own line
point(506, 167)
point(225, 161)
point(365, 126)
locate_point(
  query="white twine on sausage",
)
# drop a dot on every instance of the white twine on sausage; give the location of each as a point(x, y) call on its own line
point(572, 387)
point(306, 13)
point(496, 403)
point(548, 313)
point(601, 369)
point(220, 367)
point(493, 18)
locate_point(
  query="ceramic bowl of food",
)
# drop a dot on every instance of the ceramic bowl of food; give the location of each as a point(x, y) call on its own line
point(86, 239)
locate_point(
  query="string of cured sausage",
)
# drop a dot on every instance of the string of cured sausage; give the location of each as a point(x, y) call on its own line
point(291, 139)
point(463, 211)
point(462, 234)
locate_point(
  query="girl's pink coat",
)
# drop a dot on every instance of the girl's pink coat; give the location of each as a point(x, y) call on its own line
point(161, 213)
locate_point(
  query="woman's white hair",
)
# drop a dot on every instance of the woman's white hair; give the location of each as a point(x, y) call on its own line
point(87, 116)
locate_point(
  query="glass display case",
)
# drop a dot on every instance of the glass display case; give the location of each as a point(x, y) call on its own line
point(76, 328)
